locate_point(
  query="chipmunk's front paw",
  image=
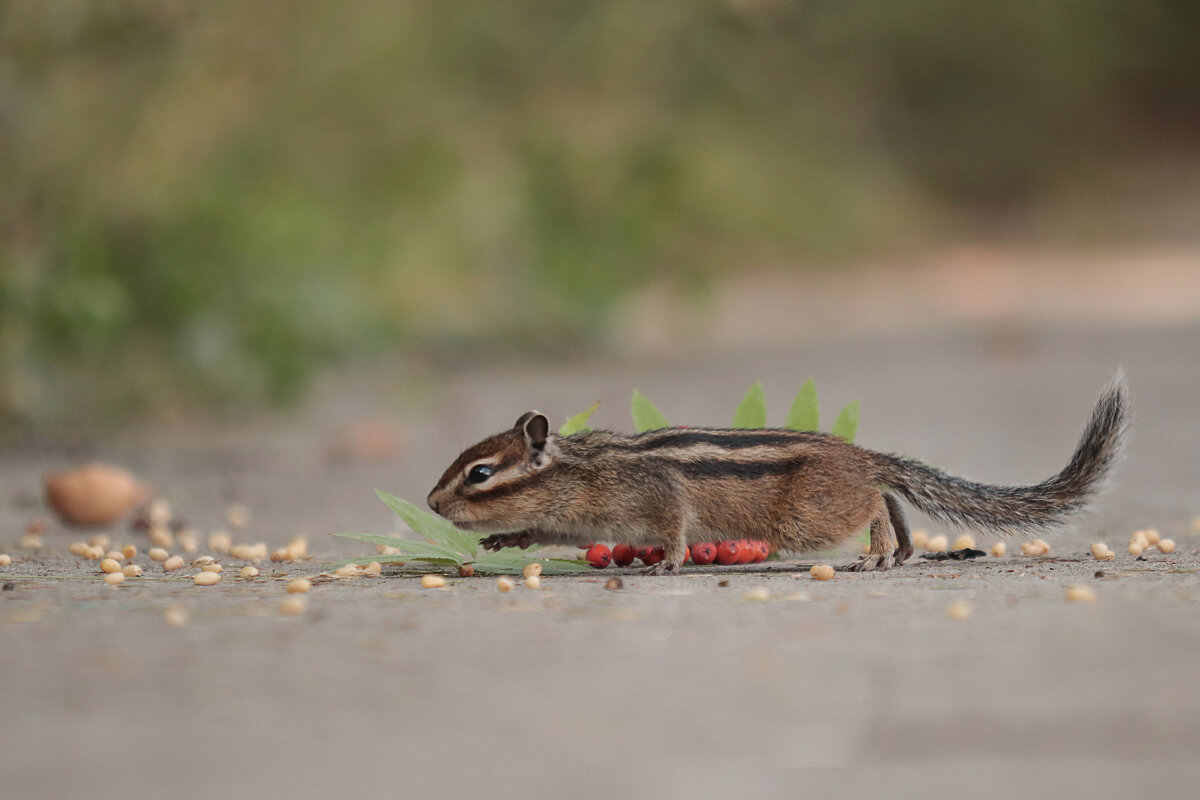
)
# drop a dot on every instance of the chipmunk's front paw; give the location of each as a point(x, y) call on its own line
point(498, 541)
point(662, 568)
point(870, 563)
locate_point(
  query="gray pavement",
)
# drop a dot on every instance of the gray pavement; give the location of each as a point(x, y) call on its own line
point(673, 686)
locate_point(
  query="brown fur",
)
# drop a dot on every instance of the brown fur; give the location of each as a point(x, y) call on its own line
point(797, 491)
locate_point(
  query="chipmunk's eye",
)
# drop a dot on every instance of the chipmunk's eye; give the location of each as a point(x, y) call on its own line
point(480, 473)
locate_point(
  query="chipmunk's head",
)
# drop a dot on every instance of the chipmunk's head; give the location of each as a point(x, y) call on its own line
point(493, 486)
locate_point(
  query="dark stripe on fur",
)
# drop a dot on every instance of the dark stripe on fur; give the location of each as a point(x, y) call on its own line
point(732, 439)
point(505, 489)
point(1019, 508)
point(722, 468)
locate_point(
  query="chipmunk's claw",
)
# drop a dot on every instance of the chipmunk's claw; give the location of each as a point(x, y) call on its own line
point(870, 563)
point(661, 568)
point(498, 541)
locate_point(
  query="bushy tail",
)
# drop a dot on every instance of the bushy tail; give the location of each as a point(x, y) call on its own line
point(1014, 509)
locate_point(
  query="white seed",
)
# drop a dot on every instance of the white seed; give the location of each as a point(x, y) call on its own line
point(129, 551)
point(298, 547)
point(114, 578)
point(821, 572)
point(158, 554)
point(5, 560)
point(533, 582)
point(95, 553)
point(964, 542)
point(132, 571)
point(100, 540)
point(202, 560)
point(937, 544)
point(387, 550)
point(176, 616)
point(1166, 545)
point(293, 605)
point(959, 610)
point(81, 549)
point(188, 545)
point(348, 571)
point(110, 565)
point(1080, 594)
point(220, 542)
point(1152, 536)
point(433, 581)
point(299, 586)
point(115, 555)
point(282, 554)
point(1136, 548)
point(373, 570)
point(757, 594)
point(504, 585)
point(1043, 547)
point(248, 572)
point(161, 537)
point(211, 568)
point(159, 511)
point(1105, 555)
point(530, 569)
point(999, 549)
point(920, 539)
point(1098, 549)
point(206, 578)
point(31, 541)
point(1139, 537)
point(173, 563)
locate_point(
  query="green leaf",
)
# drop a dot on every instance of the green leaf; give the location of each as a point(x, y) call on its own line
point(645, 416)
point(431, 526)
point(846, 425)
point(752, 411)
point(578, 423)
point(805, 414)
point(412, 548)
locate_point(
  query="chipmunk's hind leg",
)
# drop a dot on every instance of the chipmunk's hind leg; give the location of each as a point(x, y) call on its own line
point(883, 542)
point(904, 545)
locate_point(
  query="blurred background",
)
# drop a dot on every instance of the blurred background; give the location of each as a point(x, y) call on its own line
point(204, 204)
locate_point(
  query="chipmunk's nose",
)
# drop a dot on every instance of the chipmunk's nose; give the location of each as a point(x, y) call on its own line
point(433, 503)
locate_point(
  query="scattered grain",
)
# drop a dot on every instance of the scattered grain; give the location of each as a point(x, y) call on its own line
point(114, 578)
point(348, 571)
point(132, 571)
point(920, 539)
point(110, 565)
point(532, 568)
point(1152, 536)
point(80, 549)
point(160, 536)
point(115, 555)
point(757, 594)
point(158, 554)
point(237, 515)
point(375, 569)
point(248, 572)
point(533, 582)
point(220, 542)
point(1080, 594)
point(129, 551)
point(5, 560)
point(999, 549)
point(504, 585)
point(964, 542)
point(959, 610)
point(821, 572)
point(100, 540)
point(176, 616)
point(433, 581)
point(1166, 545)
point(206, 578)
point(293, 605)
point(299, 586)
point(937, 544)
point(173, 563)
point(211, 568)
point(31, 542)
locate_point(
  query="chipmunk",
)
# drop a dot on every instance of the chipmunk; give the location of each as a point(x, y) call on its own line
point(798, 491)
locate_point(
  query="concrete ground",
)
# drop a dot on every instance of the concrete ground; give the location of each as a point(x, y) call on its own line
point(678, 686)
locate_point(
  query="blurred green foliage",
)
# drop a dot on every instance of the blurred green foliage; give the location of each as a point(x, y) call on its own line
point(206, 199)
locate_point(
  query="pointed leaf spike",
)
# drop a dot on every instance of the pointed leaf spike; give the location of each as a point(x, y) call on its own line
point(804, 414)
point(846, 425)
point(578, 422)
point(645, 416)
point(752, 411)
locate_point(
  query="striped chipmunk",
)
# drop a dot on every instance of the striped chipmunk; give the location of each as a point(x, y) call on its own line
point(798, 491)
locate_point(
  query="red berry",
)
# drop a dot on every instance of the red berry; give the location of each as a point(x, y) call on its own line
point(764, 551)
point(704, 553)
point(599, 556)
point(727, 552)
point(746, 552)
point(653, 557)
point(642, 552)
point(623, 555)
point(687, 553)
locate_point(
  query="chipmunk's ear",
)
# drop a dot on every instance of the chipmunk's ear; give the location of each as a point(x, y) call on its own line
point(536, 428)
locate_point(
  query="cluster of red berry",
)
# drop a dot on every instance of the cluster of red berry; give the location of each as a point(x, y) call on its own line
point(729, 551)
